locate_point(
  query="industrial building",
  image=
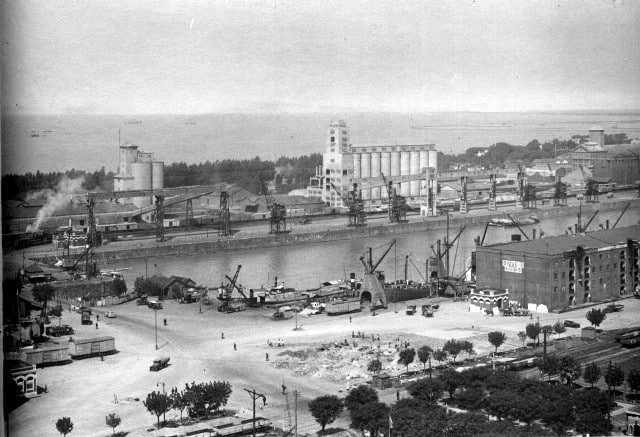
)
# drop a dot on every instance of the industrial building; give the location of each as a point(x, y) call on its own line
point(555, 273)
point(344, 164)
point(137, 170)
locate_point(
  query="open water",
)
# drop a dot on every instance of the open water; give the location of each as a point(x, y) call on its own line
point(48, 143)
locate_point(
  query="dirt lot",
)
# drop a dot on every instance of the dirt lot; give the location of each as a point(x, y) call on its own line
point(86, 390)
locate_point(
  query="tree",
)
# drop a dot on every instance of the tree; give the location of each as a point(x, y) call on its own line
point(375, 366)
point(406, 357)
point(548, 365)
point(569, 369)
point(558, 410)
point(178, 400)
point(613, 376)
point(64, 425)
point(453, 347)
point(371, 417)
point(633, 379)
point(325, 409)
point(411, 418)
point(451, 381)
point(118, 287)
point(157, 403)
point(424, 355)
point(533, 331)
point(522, 336)
point(467, 347)
point(559, 327)
point(426, 390)
point(204, 398)
point(439, 355)
point(500, 403)
point(113, 421)
point(596, 316)
point(593, 409)
point(359, 396)
point(43, 293)
point(497, 339)
point(592, 374)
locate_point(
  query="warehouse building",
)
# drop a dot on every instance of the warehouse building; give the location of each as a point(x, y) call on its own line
point(555, 273)
point(344, 164)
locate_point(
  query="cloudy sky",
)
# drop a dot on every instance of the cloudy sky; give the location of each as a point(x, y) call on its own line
point(126, 57)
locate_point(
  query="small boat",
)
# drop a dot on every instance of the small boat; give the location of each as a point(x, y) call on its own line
point(507, 222)
point(34, 135)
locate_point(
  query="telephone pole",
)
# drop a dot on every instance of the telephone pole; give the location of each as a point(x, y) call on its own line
point(254, 395)
point(295, 397)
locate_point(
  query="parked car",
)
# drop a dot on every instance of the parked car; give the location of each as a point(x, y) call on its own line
point(110, 315)
point(571, 324)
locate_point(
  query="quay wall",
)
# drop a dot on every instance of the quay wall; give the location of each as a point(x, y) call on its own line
point(186, 248)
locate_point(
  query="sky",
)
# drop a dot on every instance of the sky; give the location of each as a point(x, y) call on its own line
point(166, 57)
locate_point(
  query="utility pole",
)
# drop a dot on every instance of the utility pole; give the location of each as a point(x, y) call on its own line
point(295, 397)
point(254, 395)
point(155, 312)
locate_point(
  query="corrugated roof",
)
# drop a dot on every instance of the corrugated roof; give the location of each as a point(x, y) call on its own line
point(560, 244)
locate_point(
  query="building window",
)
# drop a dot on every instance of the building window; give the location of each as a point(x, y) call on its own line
point(563, 275)
point(555, 289)
point(600, 280)
point(333, 139)
point(555, 275)
point(622, 254)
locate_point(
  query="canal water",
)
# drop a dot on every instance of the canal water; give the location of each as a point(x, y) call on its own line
point(306, 266)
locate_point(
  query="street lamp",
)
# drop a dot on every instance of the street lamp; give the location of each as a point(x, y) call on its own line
point(254, 395)
point(155, 312)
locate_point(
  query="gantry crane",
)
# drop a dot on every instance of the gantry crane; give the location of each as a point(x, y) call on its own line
point(397, 204)
point(163, 197)
point(278, 213)
point(591, 191)
point(354, 204)
point(224, 217)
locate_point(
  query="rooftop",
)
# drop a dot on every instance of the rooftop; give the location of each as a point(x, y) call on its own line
point(558, 245)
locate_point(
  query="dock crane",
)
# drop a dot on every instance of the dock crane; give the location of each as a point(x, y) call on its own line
point(353, 201)
point(397, 204)
point(591, 192)
point(224, 217)
point(371, 282)
point(278, 213)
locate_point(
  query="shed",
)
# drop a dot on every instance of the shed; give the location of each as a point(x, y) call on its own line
point(488, 300)
point(381, 381)
point(589, 332)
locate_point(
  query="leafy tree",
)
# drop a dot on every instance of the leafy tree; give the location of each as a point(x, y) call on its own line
point(472, 397)
point(558, 410)
point(204, 398)
point(424, 355)
point(411, 418)
point(500, 403)
point(467, 347)
point(453, 347)
point(64, 425)
point(522, 336)
point(596, 316)
point(406, 357)
point(157, 403)
point(613, 376)
point(371, 417)
point(548, 365)
point(113, 421)
point(426, 390)
point(633, 379)
point(178, 400)
point(360, 395)
point(533, 331)
point(43, 293)
point(325, 409)
point(137, 286)
point(569, 369)
point(118, 287)
point(592, 374)
point(559, 327)
point(593, 409)
point(375, 366)
point(439, 355)
point(451, 380)
point(497, 339)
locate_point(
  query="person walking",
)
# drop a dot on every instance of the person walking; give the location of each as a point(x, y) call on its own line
point(234, 347)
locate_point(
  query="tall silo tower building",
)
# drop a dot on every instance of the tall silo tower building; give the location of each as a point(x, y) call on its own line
point(137, 170)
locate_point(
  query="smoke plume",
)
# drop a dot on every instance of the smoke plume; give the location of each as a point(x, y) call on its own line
point(55, 199)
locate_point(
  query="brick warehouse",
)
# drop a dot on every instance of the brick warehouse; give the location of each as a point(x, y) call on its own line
point(558, 272)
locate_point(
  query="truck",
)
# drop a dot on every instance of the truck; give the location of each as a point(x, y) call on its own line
point(411, 310)
point(427, 310)
point(58, 331)
point(86, 317)
point(159, 364)
point(337, 307)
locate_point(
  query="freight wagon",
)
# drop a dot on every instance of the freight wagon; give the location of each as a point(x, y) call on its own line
point(48, 355)
point(244, 427)
point(91, 347)
point(630, 339)
point(337, 307)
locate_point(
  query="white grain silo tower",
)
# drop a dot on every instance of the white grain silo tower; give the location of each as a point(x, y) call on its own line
point(141, 172)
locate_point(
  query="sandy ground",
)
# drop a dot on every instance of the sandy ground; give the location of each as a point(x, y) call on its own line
point(85, 390)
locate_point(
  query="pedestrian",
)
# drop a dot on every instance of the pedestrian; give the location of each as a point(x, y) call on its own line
point(96, 325)
point(234, 347)
point(98, 317)
point(222, 335)
point(397, 395)
point(267, 356)
point(46, 389)
point(349, 319)
point(165, 322)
